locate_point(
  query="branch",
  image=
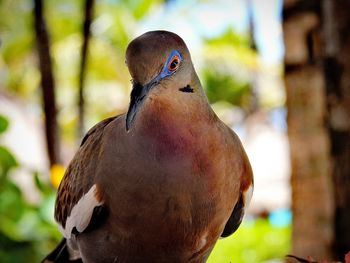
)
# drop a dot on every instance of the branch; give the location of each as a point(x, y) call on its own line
point(89, 6)
point(47, 84)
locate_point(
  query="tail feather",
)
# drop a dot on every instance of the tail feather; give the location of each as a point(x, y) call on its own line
point(60, 254)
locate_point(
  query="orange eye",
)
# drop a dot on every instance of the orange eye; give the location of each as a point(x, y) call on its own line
point(174, 63)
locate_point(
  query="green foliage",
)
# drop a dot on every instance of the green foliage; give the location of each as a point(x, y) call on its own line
point(256, 241)
point(17, 42)
point(139, 8)
point(223, 87)
point(229, 63)
point(27, 231)
point(230, 37)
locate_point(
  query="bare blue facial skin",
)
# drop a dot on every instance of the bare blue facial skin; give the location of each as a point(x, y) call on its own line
point(165, 71)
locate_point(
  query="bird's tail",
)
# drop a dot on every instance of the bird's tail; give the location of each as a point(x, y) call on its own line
point(62, 254)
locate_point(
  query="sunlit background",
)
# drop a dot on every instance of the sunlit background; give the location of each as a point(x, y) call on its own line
point(237, 50)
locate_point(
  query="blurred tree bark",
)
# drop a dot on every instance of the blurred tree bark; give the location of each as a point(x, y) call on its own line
point(336, 24)
point(47, 84)
point(317, 78)
point(89, 6)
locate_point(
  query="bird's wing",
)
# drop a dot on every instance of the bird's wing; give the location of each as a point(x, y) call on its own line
point(245, 196)
point(236, 217)
point(79, 203)
point(63, 254)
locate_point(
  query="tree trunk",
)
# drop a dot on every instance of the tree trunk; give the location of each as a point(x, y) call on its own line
point(47, 84)
point(312, 195)
point(317, 78)
point(89, 6)
point(337, 75)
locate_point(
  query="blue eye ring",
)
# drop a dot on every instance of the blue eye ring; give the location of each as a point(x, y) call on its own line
point(172, 64)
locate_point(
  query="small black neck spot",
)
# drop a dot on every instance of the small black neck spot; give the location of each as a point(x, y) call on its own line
point(186, 89)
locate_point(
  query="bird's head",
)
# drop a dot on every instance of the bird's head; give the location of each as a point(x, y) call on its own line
point(158, 59)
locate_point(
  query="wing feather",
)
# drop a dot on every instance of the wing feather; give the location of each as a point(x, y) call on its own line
point(78, 194)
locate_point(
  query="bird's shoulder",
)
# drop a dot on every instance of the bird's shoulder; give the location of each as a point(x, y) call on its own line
point(78, 193)
point(96, 131)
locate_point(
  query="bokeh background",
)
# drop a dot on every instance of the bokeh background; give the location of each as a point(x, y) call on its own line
point(277, 72)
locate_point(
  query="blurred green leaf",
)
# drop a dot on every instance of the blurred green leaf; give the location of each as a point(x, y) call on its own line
point(15, 252)
point(223, 87)
point(7, 160)
point(46, 209)
point(230, 37)
point(43, 187)
point(255, 241)
point(25, 228)
point(3, 124)
point(229, 64)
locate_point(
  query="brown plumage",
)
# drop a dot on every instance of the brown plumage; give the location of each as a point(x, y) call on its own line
point(161, 183)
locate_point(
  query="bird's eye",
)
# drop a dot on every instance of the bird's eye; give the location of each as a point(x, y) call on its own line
point(174, 63)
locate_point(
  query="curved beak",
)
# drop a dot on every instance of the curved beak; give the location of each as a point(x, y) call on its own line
point(137, 96)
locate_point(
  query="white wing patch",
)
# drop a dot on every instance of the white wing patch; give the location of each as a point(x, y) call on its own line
point(81, 213)
point(247, 195)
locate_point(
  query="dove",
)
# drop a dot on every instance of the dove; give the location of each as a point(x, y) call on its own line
point(160, 183)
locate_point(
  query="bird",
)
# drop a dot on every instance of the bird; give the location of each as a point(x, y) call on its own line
point(161, 182)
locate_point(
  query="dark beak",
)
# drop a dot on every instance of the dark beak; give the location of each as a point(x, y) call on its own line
point(137, 96)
